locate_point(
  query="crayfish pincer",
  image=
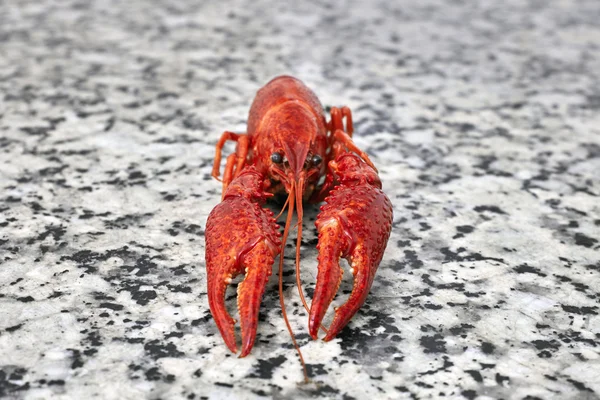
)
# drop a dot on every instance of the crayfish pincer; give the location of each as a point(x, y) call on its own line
point(288, 147)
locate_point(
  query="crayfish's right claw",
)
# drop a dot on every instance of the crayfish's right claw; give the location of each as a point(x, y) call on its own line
point(241, 236)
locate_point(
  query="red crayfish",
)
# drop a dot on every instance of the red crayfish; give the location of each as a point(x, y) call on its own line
point(289, 146)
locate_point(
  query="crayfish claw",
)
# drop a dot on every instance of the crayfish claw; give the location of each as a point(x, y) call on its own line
point(241, 237)
point(332, 243)
point(355, 224)
point(251, 290)
point(217, 285)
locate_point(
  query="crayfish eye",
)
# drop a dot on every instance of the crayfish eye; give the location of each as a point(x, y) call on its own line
point(317, 159)
point(277, 158)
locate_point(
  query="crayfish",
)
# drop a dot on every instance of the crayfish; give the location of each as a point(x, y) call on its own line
point(288, 149)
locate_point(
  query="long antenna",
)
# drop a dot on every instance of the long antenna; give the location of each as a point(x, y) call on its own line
point(300, 213)
point(281, 301)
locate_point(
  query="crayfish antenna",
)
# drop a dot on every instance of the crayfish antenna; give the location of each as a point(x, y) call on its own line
point(281, 301)
point(300, 212)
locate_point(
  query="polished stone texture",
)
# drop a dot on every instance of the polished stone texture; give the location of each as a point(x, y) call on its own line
point(482, 117)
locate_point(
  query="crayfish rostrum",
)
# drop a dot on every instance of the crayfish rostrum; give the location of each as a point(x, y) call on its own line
point(288, 148)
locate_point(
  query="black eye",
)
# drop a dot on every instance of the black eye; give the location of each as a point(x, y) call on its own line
point(277, 158)
point(316, 160)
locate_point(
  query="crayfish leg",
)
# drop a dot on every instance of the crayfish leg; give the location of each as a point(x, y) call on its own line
point(235, 162)
point(336, 122)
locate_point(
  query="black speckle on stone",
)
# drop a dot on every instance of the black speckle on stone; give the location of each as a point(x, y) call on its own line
point(13, 328)
point(228, 385)
point(489, 208)
point(451, 256)
point(433, 344)
point(9, 381)
point(90, 352)
point(102, 296)
point(134, 340)
point(580, 310)
point(397, 265)
point(546, 344)
point(266, 367)
point(153, 374)
point(158, 350)
point(526, 269)
point(469, 394)
point(180, 270)
point(77, 360)
point(428, 328)
point(500, 379)
point(56, 232)
point(202, 320)
point(143, 297)
point(94, 339)
point(463, 127)
point(26, 299)
point(447, 364)
point(585, 241)
point(179, 288)
point(412, 259)
point(316, 369)
point(169, 197)
point(476, 375)
point(580, 386)
point(461, 329)
point(137, 175)
point(194, 229)
point(488, 348)
point(55, 294)
point(111, 306)
point(465, 229)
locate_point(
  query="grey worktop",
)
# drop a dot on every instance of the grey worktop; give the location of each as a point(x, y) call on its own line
point(482, 117)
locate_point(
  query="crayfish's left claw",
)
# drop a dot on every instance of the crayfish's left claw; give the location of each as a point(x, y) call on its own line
point(355, 224)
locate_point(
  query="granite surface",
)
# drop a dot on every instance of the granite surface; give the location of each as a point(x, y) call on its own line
point(484, 121)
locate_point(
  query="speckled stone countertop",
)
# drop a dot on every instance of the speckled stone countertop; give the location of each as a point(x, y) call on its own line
point(484, 121)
